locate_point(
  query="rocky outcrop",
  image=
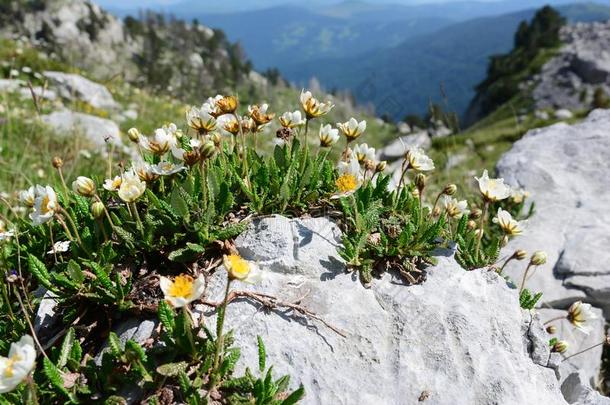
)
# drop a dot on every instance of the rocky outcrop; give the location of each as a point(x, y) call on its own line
point(459, 338)
point(99, 131)
point(397, 148)
point(581, 67)
point(566, 169)
point(72, 86)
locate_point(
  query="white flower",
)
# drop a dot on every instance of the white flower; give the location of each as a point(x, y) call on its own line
point(292, 119)
point(60, 247)
point(352, 129)
point(364, 153)
point(493, 189)
point(580, 314)
point(418, 160)
point(183, 290)
point(350, 177)
point(131, 187)
point(144, 171)
point(163, 140)
point(313, 107)
point(4, 233)
point(113, 184)
point(45, 205)
point(18, 365)
point(28, 197)
point(518, 195)
point(454, 208)
point(328, 136)
point(509, 225)
point(241, 269)
point(201, 119)
point(167, 168)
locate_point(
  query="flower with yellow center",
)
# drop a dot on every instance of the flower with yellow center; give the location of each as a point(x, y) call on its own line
point(580, 315)
point(163, 140)
point(131, 187)
point(45, 205)
point(453, 208)
point(113, 184)
point(231, 126)
point(418, 160)
point(167, 168)
point(200, 120)
point(84, 186)
point(493, 189)
point(510, 226)
point(350, 177)
point(182, 290)
point(144, 171)
point(519, 195)
point(227, 104)
point(313, 107)
point(291, 119)
point(352, 129)
point(328, 136)
point(18, 365)
point(259, 114)
point(241, 269)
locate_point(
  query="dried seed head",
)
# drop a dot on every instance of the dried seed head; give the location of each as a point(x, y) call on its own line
point(191, 157)
point(57, 162)
point(471, 224)
point(476, 213)
point(370, 165)
point(283, 133)
point(381, 166)
point(420, 181)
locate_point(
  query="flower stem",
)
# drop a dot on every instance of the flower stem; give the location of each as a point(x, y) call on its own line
point(136, 215)
point(220, 335)
point(558, 318)
point(584, 351)
point(522, 286)
point(481, 226)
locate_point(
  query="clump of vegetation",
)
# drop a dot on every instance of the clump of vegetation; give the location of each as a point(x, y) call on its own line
point(142, 241)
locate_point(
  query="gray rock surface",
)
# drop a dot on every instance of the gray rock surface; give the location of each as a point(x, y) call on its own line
point(97, 130)
point(46, 317)
point(577, 391)
point(399, 147)
point(138, 330)
point(566, 170)
point(581, 66)
point(460, 337)
point(73, 86)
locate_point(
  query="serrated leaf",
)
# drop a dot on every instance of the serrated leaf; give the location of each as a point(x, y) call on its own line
point(172, 369)
point(66, 348)
point(39, 270)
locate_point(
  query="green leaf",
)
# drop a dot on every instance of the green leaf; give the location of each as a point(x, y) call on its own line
point(166, 316)
point(294, 397)
point(261, 354)
point(115, 344)
point(172, 369)
point(54, 376)
point(75, 272)
point(39, 270)
point(66, 348)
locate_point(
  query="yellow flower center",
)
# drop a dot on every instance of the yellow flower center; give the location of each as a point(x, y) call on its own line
point(238, 267)
point(347, 182)
point(8, 371)
point(182, 287)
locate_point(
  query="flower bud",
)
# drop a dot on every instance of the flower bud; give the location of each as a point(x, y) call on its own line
point(538, 258)
point(471, 224)
point(560, 347)
point(191, 157)
point(476, 213)
point(450, 189)
point(420, 181)
point(436, 212)
point(207, 150)
point(216, 139)
point(381, 166)
point(551, 329)
point(84, 186)
point(369, 165)
point(57, 162)
point(520, 254)
point(479, 233)
point(134, 135)
point(97, 209)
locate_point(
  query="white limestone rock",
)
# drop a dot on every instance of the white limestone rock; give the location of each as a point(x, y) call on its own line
point(73, 86)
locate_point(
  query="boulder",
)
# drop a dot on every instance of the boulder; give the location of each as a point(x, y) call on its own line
point(563, 114)
point(73, 86)
point(97, 130)
point(566, 170)
point(577, 391)
point(399, 147)
point(459, 338)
